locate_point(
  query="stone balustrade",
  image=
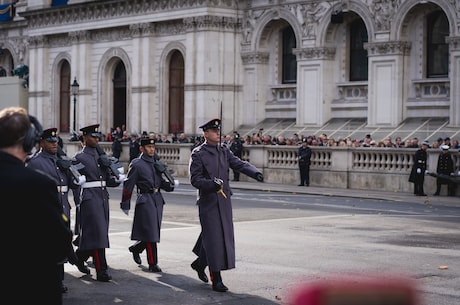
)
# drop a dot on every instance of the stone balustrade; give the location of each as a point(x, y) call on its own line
point(338, 167)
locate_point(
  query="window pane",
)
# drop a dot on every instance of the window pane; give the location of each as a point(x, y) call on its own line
point(358, 55)
point(437, 48)
point(289, 59)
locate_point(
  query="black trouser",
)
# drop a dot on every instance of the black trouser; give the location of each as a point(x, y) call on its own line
point(304, 174)
point(418, 184)
point(100, 261)
point(450, 186)
point(151, 249)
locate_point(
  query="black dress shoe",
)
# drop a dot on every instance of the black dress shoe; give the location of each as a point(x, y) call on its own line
point(136, 256)
point(201, 274)
point(154, 268)
point(300, 185)
point(219, 286)
point(64, 288)
point(82, 268)
point(103, 276)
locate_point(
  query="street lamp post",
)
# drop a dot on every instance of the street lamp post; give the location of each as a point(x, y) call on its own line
point(74, 86)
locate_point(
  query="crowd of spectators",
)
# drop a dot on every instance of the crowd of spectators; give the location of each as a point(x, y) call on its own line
point(295, 139)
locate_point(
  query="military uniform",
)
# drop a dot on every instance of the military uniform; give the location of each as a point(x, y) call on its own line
point(304, 156)
point(215, 246)
point(94, 207)
point(148, 212)
point(49, 163)
point(445, 166)
point(237, 149)
point(417, 175)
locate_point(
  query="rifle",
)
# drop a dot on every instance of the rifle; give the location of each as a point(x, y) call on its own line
point(453, 179)
point(162, 168)
point(111, 163)
point(65, 163)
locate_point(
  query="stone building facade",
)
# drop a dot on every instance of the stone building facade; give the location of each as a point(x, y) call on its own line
point(166, 66)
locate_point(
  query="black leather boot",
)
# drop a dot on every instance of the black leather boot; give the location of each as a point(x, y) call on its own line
point(136, 257)
point(200, 270)
point(217, 284)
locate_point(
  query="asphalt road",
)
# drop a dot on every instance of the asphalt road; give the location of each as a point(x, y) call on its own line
point(284, 239)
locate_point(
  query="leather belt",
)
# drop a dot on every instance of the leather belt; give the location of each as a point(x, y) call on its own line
point(62, 188)
point(151, 191)
point(92, 184)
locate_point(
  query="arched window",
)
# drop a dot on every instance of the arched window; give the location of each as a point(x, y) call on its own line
point(358, 55)
point(289, 69)
point(176, 93)
point(437, 64)
point(119, 96)
point(64, 97)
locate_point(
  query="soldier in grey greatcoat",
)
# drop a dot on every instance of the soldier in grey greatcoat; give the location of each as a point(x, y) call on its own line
point(148, 212)
point(209, 168)
point(94, 203)
point(48, 162)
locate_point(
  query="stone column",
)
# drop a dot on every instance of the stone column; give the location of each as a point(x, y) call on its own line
point(454, 51)
point(387, 83)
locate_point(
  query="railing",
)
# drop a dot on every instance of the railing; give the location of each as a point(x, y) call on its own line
point(339, 167)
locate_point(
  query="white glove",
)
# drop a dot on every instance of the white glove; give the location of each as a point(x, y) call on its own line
point(419, 171)
point(125, 211)
point(122, 178)
point(176, 182)
point(81, 180)
point(121, 170)
point(427, 172)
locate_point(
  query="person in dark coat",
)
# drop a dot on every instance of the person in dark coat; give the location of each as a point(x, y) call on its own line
point(304, 156)
point(134, 147)
point(209, 173)
point(445, 167)
point(148, 212)
point(34, 229)
point(419, 169)
point(237, 149)
point(47, 161)
point(93, 218)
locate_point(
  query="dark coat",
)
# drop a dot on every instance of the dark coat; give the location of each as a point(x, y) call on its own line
point(94, 202)
point(46, 162)
point(215, 211)
point(420, 158)
point(34, 232)
point(445, 166)
point(148, 212)
point(304, 155)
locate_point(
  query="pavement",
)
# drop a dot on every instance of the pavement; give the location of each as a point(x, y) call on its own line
point(178, 283)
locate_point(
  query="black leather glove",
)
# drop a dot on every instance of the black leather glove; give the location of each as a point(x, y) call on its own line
point(259, 177)
point(217, 183)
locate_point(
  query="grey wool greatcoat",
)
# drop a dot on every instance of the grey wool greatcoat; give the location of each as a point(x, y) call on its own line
point(94, 202)
point(46, 163)
point(148, 212)
point(215, 211)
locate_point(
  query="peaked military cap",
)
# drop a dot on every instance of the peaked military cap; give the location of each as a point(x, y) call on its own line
point(445, 147)
point(426, 143)
point(212, 124)
point(50, 135)
point(147, 141)
point(92, 130)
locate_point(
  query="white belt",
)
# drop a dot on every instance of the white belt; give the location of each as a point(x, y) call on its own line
point(62, 188)
point(91, 184)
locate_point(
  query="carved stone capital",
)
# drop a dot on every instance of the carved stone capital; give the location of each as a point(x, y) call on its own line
point(39, 41)
point(314, 53)
point(388, 48)
point(255, 58)
point(454, 43)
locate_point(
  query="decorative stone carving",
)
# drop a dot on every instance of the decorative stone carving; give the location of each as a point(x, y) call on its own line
point(255, 58)
point(388, 48)
point(315, 53)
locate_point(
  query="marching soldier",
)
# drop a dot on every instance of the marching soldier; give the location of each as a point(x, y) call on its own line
point(93, 210)
point(47, 161)
point(209, 173)
point(148, 212)
point(419, 169)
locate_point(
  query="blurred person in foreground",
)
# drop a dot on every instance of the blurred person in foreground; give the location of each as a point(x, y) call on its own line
point(209, 168)
point(34, 228)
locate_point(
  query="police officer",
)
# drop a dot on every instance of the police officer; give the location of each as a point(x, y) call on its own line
point(209, 173)
point(148, 212)
point(237, 149)
point(304, 156)
point(34, 230)
point(419, 169)
point(47, 161)
point(445, 167)
point(94, 203)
